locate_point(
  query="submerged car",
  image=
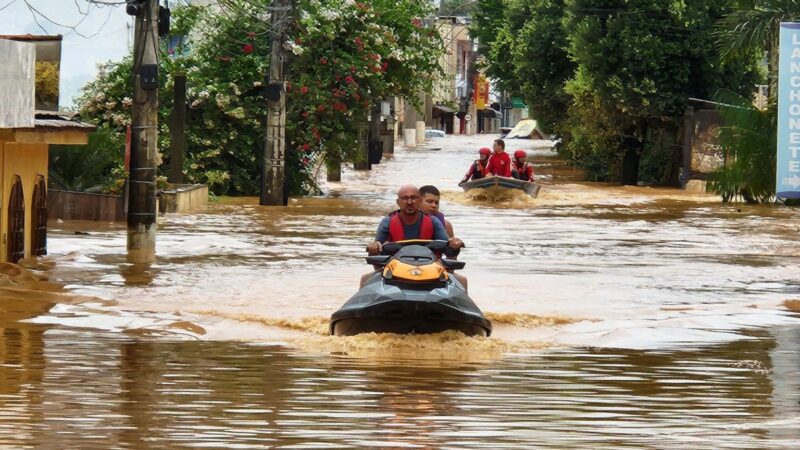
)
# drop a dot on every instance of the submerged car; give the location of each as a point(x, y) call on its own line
point(434, 134)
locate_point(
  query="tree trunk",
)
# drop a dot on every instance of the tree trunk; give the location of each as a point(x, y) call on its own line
point(772, 67)
point(177, 148)
point(630, 162)
point(362, 156)
point(334, 169)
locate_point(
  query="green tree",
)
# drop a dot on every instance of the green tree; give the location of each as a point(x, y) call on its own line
point(637, 66)
point(748, 138)
point(755, 26)
point(542, 65)
point(611, 78)
point(345, 55)
point(749, 135)
point(488, 19)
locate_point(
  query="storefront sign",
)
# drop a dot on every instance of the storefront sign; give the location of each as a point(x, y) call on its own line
point(787, 184)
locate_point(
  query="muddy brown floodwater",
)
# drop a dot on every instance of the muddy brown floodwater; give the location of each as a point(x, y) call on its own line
point(624, 316)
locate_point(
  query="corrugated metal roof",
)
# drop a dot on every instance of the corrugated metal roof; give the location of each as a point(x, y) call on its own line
point(59, 121)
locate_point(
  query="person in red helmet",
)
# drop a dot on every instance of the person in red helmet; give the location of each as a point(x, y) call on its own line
point(478, 167)
point(499, 162)
point(521, 169)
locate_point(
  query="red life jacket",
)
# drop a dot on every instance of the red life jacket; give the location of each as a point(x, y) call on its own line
point(396, 232)
point(524, 173)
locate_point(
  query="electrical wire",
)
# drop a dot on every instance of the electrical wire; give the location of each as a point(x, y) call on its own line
point(11, 2)
point(36, 14)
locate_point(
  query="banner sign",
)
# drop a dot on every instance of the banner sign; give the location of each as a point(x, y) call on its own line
point(787, 183)
point(481, 92)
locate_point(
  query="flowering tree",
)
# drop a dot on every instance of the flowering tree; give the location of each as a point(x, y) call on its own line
point(346, 55)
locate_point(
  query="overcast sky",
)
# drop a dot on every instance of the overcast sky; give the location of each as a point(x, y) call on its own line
point(105, 29)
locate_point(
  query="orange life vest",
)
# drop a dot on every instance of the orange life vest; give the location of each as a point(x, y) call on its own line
point(396, 232)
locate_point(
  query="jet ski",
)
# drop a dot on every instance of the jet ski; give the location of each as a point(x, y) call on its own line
point(411, 292)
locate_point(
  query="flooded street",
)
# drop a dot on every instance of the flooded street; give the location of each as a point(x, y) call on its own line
point(624, 316)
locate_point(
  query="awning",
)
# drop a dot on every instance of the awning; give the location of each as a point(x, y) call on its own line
point(490, 113)
point(443, 109)
point(50, 127)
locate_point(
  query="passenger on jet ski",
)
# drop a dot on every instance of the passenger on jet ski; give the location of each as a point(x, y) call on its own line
point(410, 223)
point(521, 169)
point(430, 205)
point(499, 163)
point(477, 169)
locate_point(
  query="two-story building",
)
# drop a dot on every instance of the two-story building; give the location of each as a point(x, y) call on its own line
point(25, 137)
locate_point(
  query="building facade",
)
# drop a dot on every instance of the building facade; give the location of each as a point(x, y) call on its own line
point(25, 137)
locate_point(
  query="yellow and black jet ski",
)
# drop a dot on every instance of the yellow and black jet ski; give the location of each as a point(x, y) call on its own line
point(412, 292)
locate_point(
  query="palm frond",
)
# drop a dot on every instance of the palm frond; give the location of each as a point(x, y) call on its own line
point(748, 138)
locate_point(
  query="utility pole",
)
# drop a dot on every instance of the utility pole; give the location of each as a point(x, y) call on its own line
point(375, 147)
point(144, 129)
point(372, 151)
point(273, 170)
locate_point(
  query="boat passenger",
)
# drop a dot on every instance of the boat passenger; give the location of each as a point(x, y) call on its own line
point(478, 167)
point(430, 205)
point(521, 169)
point(499, 163)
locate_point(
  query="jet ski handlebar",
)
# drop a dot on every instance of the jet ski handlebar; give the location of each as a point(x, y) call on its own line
point(390, 248)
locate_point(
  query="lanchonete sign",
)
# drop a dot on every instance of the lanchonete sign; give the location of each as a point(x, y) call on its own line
point(787, 183)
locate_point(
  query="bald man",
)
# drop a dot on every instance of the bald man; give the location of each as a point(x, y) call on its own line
point(410, 223)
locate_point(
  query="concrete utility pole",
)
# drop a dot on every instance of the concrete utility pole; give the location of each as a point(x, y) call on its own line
point(177, 147)
point(409, 124)
point(273, 173)
point(374, 148)
point(144, 129)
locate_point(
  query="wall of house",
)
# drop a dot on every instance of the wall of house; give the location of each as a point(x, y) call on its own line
point(27, 161)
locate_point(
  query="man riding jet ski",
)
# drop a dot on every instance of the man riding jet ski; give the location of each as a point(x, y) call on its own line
point(411, 290)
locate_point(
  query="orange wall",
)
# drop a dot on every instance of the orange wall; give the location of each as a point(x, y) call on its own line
point(27, 161)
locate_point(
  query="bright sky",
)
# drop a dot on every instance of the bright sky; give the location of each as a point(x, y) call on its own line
point(105, 29)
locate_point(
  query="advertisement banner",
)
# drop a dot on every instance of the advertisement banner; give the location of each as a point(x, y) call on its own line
point(787, 183)
point(481, 91)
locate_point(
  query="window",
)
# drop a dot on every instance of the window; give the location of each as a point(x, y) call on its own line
point(39, 217)
point(16, 222)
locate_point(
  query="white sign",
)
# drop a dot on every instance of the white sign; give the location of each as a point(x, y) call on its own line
point(787, 183)
point(468, 117)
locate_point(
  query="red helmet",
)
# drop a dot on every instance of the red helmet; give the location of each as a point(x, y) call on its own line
point(520, 154)
point(485, 151)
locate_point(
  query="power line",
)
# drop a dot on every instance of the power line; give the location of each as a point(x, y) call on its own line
point(11, 2)
point(36, 14)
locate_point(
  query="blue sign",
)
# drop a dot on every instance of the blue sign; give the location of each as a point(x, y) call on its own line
point(787, 183)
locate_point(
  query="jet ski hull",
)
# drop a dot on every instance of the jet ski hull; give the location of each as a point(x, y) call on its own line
point(529, 188)
point(383, 306)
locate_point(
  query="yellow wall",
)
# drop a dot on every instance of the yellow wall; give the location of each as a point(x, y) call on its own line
point(27, 161)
